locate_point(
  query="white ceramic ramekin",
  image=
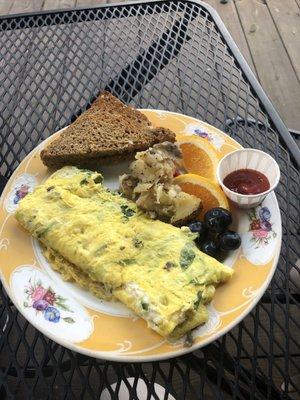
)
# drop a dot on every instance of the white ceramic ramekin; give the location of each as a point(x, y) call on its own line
point(248, 159)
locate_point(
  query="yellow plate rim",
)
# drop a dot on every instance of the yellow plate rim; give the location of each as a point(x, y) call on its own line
point(129, 358)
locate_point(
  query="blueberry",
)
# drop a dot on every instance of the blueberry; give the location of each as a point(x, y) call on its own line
point(229, 240)
point(211, 248)
point(217, 219)
point(198, 227)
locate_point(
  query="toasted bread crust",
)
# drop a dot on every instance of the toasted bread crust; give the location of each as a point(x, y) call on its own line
point(107, 131)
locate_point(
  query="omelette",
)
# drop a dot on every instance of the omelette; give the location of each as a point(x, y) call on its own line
point(103, 242)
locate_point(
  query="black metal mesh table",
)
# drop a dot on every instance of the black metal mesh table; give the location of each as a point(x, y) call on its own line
point(173, 55)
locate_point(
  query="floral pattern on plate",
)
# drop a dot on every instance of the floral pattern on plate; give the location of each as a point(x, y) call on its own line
point(260, 232)
point(46, 301)
point(129, 338)
point(200, 130)
point(22, 185)
point(261, 226)
point(47, 305)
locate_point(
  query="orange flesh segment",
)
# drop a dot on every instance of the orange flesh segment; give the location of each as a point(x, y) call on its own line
point(195, 163)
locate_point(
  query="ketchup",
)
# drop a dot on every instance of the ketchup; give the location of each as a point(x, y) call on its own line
point(247, 181)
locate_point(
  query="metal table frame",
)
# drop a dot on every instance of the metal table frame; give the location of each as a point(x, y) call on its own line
point(219, 372)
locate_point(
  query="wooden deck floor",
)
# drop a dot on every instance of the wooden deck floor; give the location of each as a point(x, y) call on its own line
point(266, 31)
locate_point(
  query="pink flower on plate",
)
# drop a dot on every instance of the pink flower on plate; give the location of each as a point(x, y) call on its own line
point(38, 293)
point(260, 234)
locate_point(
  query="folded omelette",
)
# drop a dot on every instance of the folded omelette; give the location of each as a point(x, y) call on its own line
point(100, 240)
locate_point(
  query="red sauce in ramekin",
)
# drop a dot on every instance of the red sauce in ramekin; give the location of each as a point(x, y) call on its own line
point(247, 181)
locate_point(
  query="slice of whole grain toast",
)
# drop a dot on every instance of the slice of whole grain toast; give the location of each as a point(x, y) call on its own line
point(109, 131)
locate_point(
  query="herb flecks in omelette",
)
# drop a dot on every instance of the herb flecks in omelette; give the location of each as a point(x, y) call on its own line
point(84, 181)
point(169, 265)
point(127, 261)
point(127, 211)
point(145, 306)
point(100, 250)
point(187, 255)
point(198, 301)
point(42, 231)
point(137, 243)
point(98, 179)
point(195, 281)
point(150, 266)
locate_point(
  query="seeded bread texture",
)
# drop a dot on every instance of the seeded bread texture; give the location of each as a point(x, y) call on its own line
point(109, 131)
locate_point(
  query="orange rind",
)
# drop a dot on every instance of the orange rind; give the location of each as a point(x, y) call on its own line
point(199, 156)
point(209, 192)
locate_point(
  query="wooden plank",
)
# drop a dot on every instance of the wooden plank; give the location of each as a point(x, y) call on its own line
point(87, 3)
point(5, 6)
point(58, 4)
point(272, 64)
point(230, 17)
point(25, 6)
point(286, 16)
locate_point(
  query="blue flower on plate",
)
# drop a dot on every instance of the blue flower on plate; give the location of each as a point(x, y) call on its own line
point(16, 199)
point(52, 314)
point(264, 214)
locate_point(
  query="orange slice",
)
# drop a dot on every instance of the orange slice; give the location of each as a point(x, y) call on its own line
point(210, 193)
point(199, 156)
